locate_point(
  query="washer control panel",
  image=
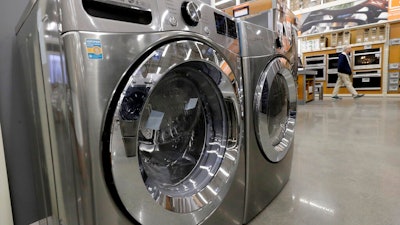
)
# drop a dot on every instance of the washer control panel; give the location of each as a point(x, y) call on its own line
point(196, 16)
point(225, 25)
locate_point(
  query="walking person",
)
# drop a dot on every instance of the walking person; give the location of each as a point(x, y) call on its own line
point(344, 73)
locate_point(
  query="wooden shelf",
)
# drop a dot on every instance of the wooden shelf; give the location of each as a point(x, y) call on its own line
point(341, 46)
point(305, 86)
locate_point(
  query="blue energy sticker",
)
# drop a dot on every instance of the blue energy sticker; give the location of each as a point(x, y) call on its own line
point(94, 49)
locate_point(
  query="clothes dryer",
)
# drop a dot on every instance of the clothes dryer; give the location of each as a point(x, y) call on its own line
point(270, 112)
point(138, 111)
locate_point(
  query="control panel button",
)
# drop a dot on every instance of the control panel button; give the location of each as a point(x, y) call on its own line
point(191, 13)
point(173, 21)
point(206, 30)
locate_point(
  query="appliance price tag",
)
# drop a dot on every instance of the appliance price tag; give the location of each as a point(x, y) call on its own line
point(365, 80)
point(367, 46)
point(394, 75)
point(395, 41)
point(393, 66)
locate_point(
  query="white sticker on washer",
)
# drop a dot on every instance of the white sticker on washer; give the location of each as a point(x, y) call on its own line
point(155, 119)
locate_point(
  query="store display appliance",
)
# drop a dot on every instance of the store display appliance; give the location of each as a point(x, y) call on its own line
point(269, 62)
point(138, 114)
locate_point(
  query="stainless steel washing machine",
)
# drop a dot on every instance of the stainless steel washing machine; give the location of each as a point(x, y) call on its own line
point(269, 70)
point(138, 111)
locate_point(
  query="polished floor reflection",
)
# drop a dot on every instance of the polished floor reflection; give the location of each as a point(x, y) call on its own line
point(346, 166)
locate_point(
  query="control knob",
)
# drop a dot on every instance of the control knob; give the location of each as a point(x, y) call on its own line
point(191, 13)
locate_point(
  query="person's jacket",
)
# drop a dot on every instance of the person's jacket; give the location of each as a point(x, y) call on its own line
point(343, 64)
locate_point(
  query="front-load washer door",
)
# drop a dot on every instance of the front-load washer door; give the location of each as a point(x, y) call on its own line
point(172, 135)
point(275, 102)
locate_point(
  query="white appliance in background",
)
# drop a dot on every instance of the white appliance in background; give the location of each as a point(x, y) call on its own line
point(321, 74)
point(5, 202)
point(367, 79)
point(332, 69)
point(368, 58)
point(315, 60)
point(318, 64)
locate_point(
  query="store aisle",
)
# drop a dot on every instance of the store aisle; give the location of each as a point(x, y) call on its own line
point(346, 166)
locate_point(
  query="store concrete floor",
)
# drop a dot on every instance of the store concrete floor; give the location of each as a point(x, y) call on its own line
point(346, 165)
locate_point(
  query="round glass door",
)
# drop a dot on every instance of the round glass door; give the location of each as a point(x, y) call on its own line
point(275, 103)
point(181, 119)
point(173, 142)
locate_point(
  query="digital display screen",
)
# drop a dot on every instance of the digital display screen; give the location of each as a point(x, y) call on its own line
point(231, 24)
point(220, 23)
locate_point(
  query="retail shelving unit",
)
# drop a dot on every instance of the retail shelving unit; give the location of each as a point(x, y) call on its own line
point(305, 86)
point(394, 59)
point(368, 78)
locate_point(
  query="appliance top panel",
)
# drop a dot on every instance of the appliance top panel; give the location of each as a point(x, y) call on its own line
point(256, 40)
point(137, 16)
point(194, 18)
point(266, 19)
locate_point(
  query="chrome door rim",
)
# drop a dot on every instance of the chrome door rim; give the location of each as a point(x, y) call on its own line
point(275, 146)
point(134, 196)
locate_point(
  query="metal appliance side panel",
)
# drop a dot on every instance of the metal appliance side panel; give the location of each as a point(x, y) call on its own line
point(27, 11)
point(69, 184)
point(259, 192)
point(266, 19)
point(256, 40)
point(39, 46)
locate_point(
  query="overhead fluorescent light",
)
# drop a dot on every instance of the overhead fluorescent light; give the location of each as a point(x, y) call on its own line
point(222, 2)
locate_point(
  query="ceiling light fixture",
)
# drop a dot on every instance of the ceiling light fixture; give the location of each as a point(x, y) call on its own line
point(222, 2)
